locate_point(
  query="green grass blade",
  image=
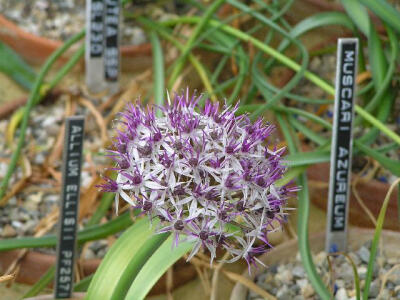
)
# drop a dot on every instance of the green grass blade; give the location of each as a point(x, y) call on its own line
point(155, 267)
point(83, 284)
point(158, 66)
point(376, 57)
point(195, 62)
point(310, 134)
point(385, 11)
point(314, 22)
point(379, 70)
point(358, 14)
point(383, 87)
point(304, 248)
point(194, 35)
point(390, 164)
point(33, 98)
point(44, 281)
point(105, 203)
point(15, 67)
point(287, 133)
point(307, 158)
point(95, 232)
point(375, 241)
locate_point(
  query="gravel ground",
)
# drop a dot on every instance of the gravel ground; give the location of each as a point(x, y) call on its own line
point(56, 19)
point(289, 281)
point(25, 210)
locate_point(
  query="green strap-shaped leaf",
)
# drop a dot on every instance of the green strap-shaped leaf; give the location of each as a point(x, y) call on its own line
point(136, 263)
point(95, 232)
point(358, 14)
point(116, 261)
point(376, 57)
point(375, 241)
point(390, 164)
point(12, 65)
point(307, 158)
point(385, 11)
point(155, 267)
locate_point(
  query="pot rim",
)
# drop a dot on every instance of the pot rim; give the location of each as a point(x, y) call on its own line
point(74, 296)
point(13, 30)
point(239, 291)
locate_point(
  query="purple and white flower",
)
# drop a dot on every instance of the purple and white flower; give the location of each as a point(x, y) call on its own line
point(206, 173)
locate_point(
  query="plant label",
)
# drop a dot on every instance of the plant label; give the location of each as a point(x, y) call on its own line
point(72, 159)
point(111, 54)
point(342, 142)
point(95, 11)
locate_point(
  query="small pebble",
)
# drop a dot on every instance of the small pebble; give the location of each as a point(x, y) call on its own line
point(341, 294)
point(298, 271)
point(307, 291)
point(8, 231)
point(89, 254)
point(374, 289)
point(284, 293)
point(362, 272)
point(364, 254)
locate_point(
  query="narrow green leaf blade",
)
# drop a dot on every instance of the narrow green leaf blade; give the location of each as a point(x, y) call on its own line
point(115, 262)
point(307, 158)
point(385, 11)
point(155, 267)
point(83, 285)
point(13, 66)
point(358, 14)
point(95, 232)
point(390, 164)
point(136, 263)
point(375, 241)
point(377, 57)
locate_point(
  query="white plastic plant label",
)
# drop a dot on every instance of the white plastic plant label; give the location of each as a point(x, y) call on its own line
point(111, 51)
point(94, 53)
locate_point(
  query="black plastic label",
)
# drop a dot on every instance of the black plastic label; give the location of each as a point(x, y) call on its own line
point(111, 53)
point(342, 139)
point(72, 160)
point(96, 28)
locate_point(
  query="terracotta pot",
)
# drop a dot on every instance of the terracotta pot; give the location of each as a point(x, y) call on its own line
point(36, 49)
point(372, 193)
point(305, 8)
point(75, 296)
point(35, 264)
point(287, 251)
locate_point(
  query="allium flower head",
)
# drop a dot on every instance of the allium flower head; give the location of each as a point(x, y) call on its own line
point(202, 172)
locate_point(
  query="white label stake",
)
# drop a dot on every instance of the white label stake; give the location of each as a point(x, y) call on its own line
point(95, 11)
point(342, 142)
point(111, 54)
point(72, 158)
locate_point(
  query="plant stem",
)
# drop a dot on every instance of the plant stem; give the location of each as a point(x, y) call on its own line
point(189, 44)
point(195, 62)
point(88, 234)
point(32, 100)
point(289, 63)
point(41, 283)
point(304, 247)
point(158, 67)
point(375, 241)
point(67, 67)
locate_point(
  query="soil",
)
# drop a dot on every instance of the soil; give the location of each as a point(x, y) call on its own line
point(61, 19)
point(289, 281)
